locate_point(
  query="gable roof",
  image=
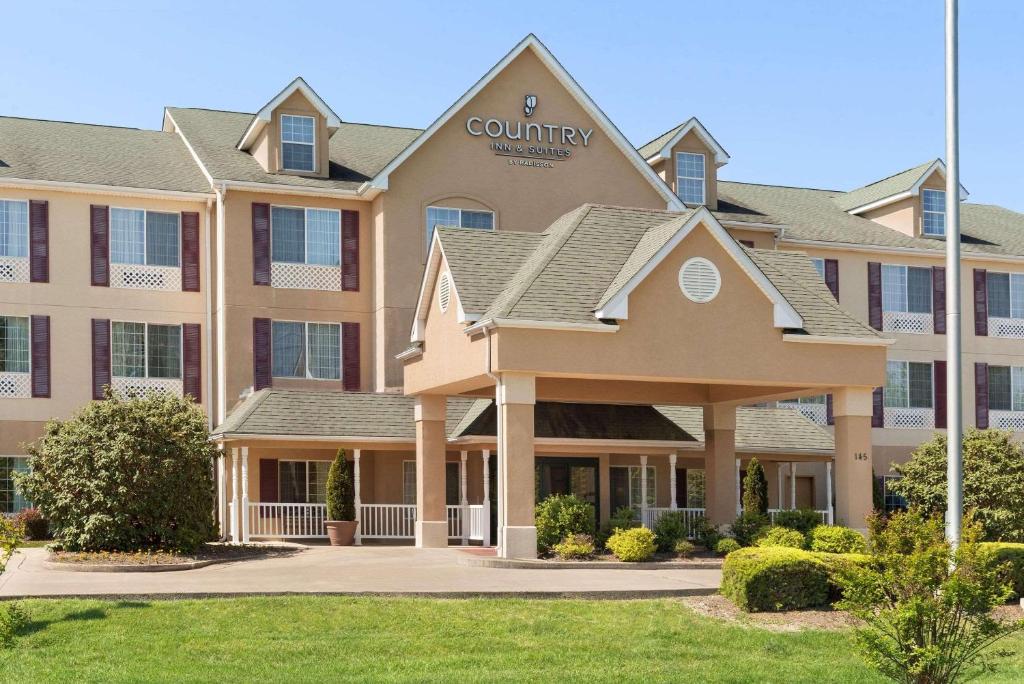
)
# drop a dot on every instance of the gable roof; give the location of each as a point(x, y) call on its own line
point(892, 189)
point(663, 144)
point(263, 116)
point(760, 429)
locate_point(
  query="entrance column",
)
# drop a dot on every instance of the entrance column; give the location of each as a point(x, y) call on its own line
point(516, 396)
point(720, 464)
point(485, 456)
point(673, 504)
point(852, 408)
point(245, 495)
point(431, 443)
point(236, 535)
point(358, 503)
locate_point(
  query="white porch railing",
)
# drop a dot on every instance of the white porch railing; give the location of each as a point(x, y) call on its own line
point(909, 418)
point(1007, 420)
point(649, 517)
point(1005, 327)
point(907, 322)
point(387, 521)
point(772, 512)
point(296, 520)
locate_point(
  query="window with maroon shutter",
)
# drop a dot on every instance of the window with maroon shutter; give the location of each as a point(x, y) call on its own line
point(191, 353)
point(939, 383)
point(268, 480)
point(939, 299)
point(875, 295)
point(980, 302)
point(261, 367)
point(190, 251)
point(99, 245)
point(878, 407)
point(40, 356)
point(350, 251)
point(350, 366)
point(39, 241)
point(832, 276)
point(260, 243)
point(100, 356)
point(981, 395)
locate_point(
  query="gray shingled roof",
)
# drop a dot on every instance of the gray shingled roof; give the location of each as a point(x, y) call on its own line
point(100, 155)
point(357, 151)
point(647, 150)
point(887, 187)
point(771, 429)
point(485, 260)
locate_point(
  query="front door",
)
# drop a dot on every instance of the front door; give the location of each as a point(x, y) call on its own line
point(619, 480)
point(577, 476)
point(804, 492)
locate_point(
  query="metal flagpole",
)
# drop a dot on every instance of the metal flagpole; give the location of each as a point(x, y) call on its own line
point(954, 402)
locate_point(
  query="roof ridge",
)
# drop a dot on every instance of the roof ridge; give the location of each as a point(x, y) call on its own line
point(210, 109)
point(662, 135)
point(608, 290)
point(83, 123)
point(893, 175)
point(788, 187)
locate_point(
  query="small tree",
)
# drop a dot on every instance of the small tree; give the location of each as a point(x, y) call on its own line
point(341, 491)
point(927, 609)
point(755, 489)
point(993, 481)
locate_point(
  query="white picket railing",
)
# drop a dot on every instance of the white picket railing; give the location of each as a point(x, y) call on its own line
point(649, 517)
point(287, 520)
point(387, 521)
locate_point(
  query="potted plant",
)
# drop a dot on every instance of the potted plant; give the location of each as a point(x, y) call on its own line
point(341, 508)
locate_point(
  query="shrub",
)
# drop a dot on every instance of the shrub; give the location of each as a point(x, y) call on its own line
point(748, 527)
point(575, 547)
point(726, 546)
point(1012, 555)
point(35, 525)
point(803, 520)
point(684, 548)
point(755, 489)
point(838, 565)
point(561, 515)
point(632, 545)
point(670, 528)
point(783, 536)
point(835, 539)
point(704, 533)
point(341, 492)
point(126, 474)
point(13, 619)
point(774, 578)
point(11, 536)
point(623, 518)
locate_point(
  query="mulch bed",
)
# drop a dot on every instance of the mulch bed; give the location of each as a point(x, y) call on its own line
point(208, 553)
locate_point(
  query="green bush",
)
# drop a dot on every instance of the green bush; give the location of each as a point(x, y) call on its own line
point(126, 475)
point(783, 536)
point(774, 578)
point(13, 619)
point(802, 520)
point(704, 533)
point(575, 547)
point(35, 525)
point(632, 545)
point(726, 546)
point(341, 491)
point(835, 539)
point(1013, 556)
point(749, 527)
point(684, 548)
point(670, 528)
point(839, 565)
point(755, 489)
point(623, 518)
point(12, 534)
point(561, 515)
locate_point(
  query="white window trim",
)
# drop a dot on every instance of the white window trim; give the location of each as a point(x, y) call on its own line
point(16, 457)
point(404, 492)
point(907, 363)
point(494, 225)
point(282, 142)
point(925, 212)
point(1012, 387)
point(296, 460)
point(906, 290)
point(819, 260)
point(145, 349)
point(305, 234)
point(29, 319)
point(305, 343)
point(28, 227)
point(145, 235)
point(703, 180)
point(652, 481)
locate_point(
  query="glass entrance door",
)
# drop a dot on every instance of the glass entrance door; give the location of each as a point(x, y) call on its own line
point(579, 476)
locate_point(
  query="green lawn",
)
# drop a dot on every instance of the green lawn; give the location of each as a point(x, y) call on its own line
point(328, 638)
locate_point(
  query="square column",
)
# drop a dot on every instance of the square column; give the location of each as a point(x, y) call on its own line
point(431, 442)
point(852, 408)
point(720, 464)
point(516, 396)
point(236, 533)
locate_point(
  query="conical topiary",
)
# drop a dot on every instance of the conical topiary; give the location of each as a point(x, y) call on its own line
point(341, 492)
point(755, 489)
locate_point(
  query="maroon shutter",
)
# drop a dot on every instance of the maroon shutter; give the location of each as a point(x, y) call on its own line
point(260, 243)
point(39, 241)
point(830, 418)
point(875, 295)
point(350, 356)
point(981, 304)
point(832, 276)
point(100, 356)
point(192, 364)
point(261, 370)
point(350, 251)
point(40, 356)
point(981, 395)
point(268, 480)
point(190, 251)
point(940, 393)
point(99, 247)
point(878, 407)
point(939, 299)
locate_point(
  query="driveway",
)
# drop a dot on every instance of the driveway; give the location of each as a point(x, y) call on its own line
point(353, 570)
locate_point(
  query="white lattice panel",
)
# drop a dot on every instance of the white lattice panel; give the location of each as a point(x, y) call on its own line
point(305, 276)
point(909, 418)
point(906, 322)
point(14, 269)
point(15, 385)
point(143, 277)
point(814, 412)
point(127, 387)
point(1006, 327)
point(1007, 420)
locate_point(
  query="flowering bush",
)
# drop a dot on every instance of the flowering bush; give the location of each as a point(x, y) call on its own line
point(632, 545)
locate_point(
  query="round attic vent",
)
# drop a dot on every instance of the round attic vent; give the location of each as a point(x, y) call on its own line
point(444, 292)
point(699, 280)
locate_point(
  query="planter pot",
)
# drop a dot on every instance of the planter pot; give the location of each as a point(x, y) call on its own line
point(341, 532)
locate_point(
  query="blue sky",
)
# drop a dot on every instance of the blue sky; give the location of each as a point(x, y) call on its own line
point(830, 94)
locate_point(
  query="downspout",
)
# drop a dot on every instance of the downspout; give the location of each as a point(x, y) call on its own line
point(221, 310)
point(218, 405)
point(209, 316)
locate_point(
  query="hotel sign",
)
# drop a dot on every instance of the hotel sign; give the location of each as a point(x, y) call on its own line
point(528, 143)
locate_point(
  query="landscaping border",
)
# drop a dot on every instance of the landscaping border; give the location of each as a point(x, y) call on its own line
point(127, 567)
point(538, 564)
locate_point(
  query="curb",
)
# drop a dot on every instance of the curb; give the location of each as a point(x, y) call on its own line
point(526, 564)
point(167, 567)
point(611, 595)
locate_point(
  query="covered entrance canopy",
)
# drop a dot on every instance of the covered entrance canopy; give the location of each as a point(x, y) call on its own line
point(625, 306)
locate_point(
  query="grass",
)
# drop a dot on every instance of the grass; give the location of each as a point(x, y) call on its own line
point(336, 638)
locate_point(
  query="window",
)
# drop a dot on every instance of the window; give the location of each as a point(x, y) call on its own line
point(10, 500)
point(14, 345)
point(13, 228)
point(305, 236)
point(409, 483)
point(893, 501)
point(1005, 295)
point(306, 350)
point(933, 216)
point(819, 266)
point(144, 237)
point(694, 488)
point(297, 142)
point(635, 483)
point(906, 289)
point(145, 350)
point(302, 481)
point(457, 218)
point(1006, 388)
point(908, 384)
point(690, 177)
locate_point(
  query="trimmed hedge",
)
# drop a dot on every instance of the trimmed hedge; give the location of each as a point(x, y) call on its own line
point(1013, 554)
point(633, 545)
point(836, 539)
point(782, 536)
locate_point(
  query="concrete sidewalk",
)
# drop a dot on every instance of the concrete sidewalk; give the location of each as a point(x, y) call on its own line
point(352, 570)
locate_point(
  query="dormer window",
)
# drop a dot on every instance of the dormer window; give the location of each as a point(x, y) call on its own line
point(690, 177)
point(933, 216)
point(297, 142)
